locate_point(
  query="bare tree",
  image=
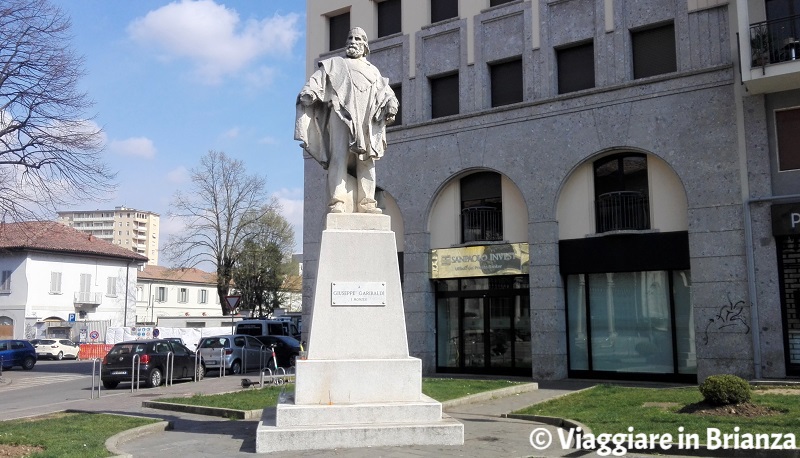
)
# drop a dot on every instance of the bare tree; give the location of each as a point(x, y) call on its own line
point(264, 264)
point(219, 213)
point(50, 152)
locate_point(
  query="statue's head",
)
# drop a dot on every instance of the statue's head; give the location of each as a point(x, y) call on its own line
point(357, 43)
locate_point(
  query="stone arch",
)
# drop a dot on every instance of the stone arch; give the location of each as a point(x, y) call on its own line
point(443, 216)
point(575, 210)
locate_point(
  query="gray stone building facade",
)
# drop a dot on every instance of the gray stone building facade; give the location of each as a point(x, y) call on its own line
point(580, 188)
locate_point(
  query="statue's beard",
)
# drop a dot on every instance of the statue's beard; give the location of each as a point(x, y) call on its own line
point(353, 51)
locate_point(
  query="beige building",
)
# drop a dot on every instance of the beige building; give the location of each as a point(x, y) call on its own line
point(136, 230)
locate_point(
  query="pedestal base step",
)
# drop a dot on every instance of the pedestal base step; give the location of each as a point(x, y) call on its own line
point(424, 411)
point(446, 431)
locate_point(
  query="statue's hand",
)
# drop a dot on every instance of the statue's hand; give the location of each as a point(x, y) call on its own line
point(306, 99)
point(390, 118)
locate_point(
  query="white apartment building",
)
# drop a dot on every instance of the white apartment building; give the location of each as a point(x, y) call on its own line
point(51, 273)
point(136, 230)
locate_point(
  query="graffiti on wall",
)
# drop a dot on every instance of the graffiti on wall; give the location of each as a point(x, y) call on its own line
point(729, 318)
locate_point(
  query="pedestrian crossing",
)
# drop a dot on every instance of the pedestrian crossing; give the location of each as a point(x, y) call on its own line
point(31, 382)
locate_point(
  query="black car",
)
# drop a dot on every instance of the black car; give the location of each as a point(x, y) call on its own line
point(287, 349)
point(151, 366)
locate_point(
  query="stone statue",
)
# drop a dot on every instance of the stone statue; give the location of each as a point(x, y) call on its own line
point(342, 113)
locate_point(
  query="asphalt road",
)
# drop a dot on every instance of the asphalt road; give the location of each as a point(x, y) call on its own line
point(49, 383)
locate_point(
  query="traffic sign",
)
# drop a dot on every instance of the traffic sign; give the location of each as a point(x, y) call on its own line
point(233, 302)
point(94, 335)
point(71, 317)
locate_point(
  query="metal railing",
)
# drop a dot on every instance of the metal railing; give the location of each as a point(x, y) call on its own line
point(479, 224)
point(775, 41)
point(621, 211)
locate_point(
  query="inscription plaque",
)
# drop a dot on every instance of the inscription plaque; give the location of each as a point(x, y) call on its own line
point(358, 293)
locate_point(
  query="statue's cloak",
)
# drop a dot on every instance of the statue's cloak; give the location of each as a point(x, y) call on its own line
point(361, 103)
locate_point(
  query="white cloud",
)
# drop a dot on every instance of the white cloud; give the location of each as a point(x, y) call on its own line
point(178, 175)
point(233, 132)
point(268, 141)
point(135, 146)
point(213, 36)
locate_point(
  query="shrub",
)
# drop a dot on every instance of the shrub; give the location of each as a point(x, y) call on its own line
point(725, 389)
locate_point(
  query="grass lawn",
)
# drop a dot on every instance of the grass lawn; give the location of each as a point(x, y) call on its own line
point(249, 399)
point(612, 409)
point(65, 435)
point(445, 389)
point(441, 389)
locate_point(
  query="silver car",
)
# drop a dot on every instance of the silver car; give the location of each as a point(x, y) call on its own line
point(236, 354)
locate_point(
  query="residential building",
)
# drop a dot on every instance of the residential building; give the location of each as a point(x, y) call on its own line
point(175, 292)
point(136, 230)
point(768, 112)
point(53, 273)
point(585, 188)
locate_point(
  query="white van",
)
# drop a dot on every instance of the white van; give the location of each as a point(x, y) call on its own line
point(264, 327)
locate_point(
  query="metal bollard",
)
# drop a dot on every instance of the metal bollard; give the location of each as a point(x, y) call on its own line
point(221, 362)
point(197, 363)
point(170, 369)
point(97, 363)
point(136, 372)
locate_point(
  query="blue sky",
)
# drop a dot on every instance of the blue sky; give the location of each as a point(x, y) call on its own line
point(173, 80)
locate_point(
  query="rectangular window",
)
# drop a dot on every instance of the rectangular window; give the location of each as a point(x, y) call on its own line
point(5, 284)
point(338, 28)
point(444, 96)
point(443, 9)
point(623, 322)
point(575, 68)
point(499, 2)
point(398, 92)
point(183, 295)
point(202, 296)
point(787, 125)
point(161, 294)
point(389, 18)
point(654, 51)
point(506, 82)
point(111, 287)
point(55, 282)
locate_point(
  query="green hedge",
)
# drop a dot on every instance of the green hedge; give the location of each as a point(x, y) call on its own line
point(725, 389)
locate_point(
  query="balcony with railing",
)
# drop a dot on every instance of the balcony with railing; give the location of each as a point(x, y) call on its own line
point(773, 62)
point(88, 298)
point(481, 224)
point(622, 211)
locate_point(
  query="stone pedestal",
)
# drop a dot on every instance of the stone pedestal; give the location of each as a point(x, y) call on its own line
point(359, 387)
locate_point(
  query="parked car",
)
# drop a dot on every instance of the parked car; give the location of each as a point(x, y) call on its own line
point(287, 349)
point(17, 353)
point(56, 349)
point(265, 327)
point(119, 365)
point(234, 353)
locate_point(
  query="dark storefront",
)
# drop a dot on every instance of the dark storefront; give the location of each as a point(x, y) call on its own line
point(483, 321)
point(629, 310)
point(786, 228)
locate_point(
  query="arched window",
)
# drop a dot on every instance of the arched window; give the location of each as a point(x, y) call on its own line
point(621, 193)
point(481, 207)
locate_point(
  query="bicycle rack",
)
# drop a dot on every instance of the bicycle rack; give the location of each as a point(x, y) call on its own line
point(169, 369)
point(97, 363)
point(136, 372)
